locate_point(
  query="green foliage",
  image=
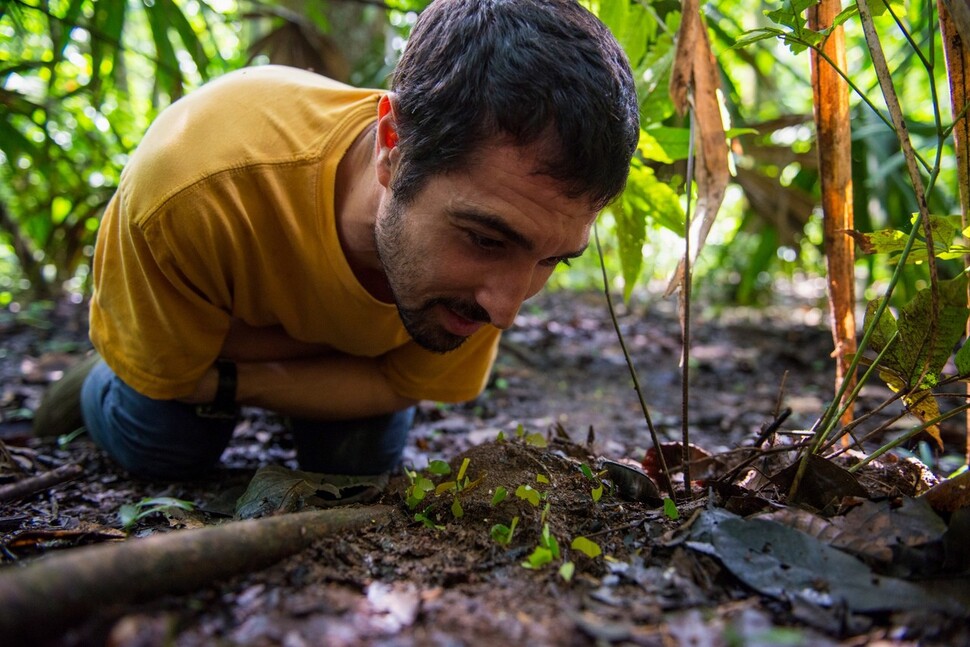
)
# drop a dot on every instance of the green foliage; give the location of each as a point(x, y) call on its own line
point(420, 485)
point(500, 495)
point(131, 513)
point(418, 488)
point(586, 546)
point(439, 468)
point(670, 509)
point(81, 80)
point(567, 570)
point(915, 347)
point(426, 521)
point(502, 534)
point(546, 552)
point(527, 493)
point(945, 231)
point(647, 203)
point(597, 490)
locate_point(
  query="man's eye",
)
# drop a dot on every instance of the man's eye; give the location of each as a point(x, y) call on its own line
point(557, 260)
point(484, 241)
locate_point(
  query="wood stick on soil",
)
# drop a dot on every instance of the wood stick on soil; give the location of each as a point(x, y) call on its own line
point(30, 485)
point(46, 596)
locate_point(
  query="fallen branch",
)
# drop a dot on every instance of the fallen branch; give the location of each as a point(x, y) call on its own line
point(44, 597)
point(30, 485)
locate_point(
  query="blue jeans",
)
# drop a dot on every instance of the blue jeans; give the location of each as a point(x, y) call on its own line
point(168, 440)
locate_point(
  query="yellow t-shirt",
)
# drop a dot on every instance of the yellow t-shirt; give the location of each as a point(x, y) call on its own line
point(226, 210)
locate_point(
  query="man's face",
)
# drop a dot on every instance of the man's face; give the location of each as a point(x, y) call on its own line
point(473, 245)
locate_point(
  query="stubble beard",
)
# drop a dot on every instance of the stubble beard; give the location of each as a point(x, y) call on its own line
point(401, 264)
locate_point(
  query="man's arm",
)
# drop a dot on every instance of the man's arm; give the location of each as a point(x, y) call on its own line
point(304, 380)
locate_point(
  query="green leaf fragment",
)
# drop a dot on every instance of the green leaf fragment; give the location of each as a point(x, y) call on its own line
point(536, 440)
point(539, 558)
point(529, 494)
point(586, 546)
point(463, 468)
point(439, 468)
point(567, 570)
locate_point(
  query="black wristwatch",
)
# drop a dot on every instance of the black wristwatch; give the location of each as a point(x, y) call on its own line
point(224, 404)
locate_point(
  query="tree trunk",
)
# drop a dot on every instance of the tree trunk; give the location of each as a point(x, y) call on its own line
point(831, 95)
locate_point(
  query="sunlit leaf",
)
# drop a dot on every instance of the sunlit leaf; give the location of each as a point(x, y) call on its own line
point(924, 405)
point(586, 546)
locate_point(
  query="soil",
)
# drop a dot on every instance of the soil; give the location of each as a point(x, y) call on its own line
point(561, 416)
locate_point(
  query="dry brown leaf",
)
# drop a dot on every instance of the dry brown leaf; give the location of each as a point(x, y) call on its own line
point(694, 82)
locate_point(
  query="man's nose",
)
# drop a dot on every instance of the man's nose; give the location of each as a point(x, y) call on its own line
point(503, 293)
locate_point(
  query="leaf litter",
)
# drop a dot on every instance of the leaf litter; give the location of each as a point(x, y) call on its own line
point(863, 558)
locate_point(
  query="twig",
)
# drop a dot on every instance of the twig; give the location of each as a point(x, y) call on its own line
point(781, 394)
point(668, 484)
point(627, 526)
point(30, 485)
point(771, 428)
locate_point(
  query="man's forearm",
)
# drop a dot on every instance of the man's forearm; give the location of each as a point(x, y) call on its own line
point(333, 387)
point(277, 372)
point(330, 387)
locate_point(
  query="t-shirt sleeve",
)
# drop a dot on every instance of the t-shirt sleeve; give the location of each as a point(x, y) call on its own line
point(161, 319)
point(445, 377)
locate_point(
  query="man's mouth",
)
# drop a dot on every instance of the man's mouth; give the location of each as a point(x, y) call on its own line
point(457, 324)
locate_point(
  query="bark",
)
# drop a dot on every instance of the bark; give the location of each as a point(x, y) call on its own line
point(43, 598)
point(831, 99)
point(955, 28)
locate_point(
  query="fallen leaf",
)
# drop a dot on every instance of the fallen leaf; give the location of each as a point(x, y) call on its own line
point(950, 495)
point(823, 483)
point(787, 564)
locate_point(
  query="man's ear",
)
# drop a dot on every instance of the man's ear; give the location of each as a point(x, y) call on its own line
point(386, 141)
point(386, 121)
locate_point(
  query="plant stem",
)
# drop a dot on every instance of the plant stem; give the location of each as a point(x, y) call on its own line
point(685, 322)
point(668, 483)
point(909, 434)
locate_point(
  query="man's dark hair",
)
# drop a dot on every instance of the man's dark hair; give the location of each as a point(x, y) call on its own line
point(524, 72)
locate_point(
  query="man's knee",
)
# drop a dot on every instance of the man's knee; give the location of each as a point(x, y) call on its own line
point(151, 439)
point(354, 447)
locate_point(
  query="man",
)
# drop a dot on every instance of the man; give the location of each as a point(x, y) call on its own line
point(335, 254)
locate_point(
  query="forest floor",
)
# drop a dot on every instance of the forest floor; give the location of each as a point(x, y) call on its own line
point(561, 416)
